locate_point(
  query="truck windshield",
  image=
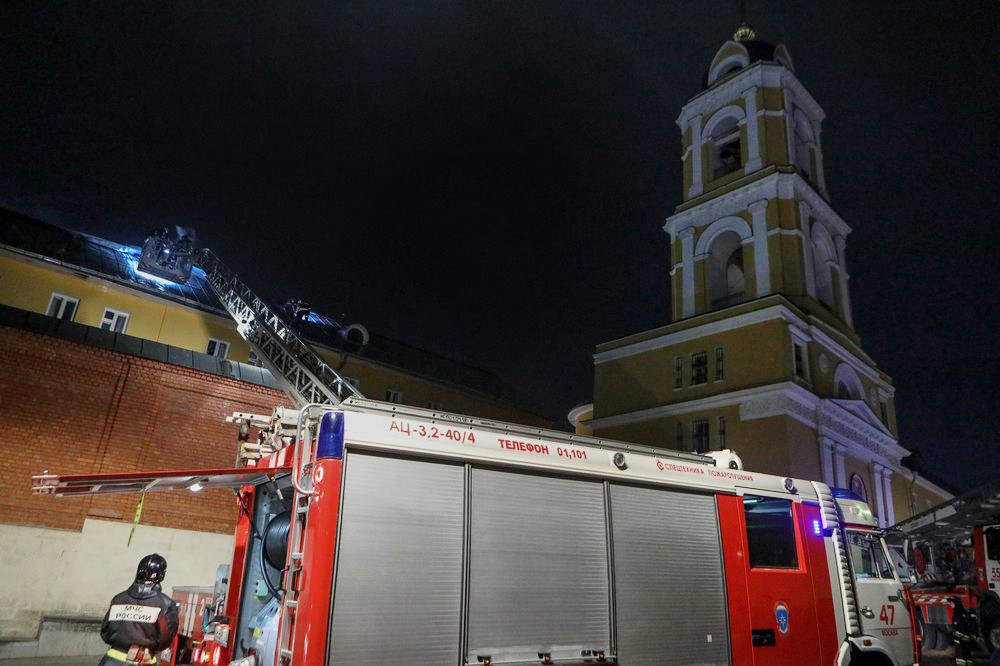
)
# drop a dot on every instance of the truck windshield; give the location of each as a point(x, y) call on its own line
point(868, 558)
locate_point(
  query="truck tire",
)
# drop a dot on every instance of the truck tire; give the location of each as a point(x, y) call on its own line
point(930, 636)
point(991, 634)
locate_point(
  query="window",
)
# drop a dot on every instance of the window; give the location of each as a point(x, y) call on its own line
point(824, 257)
point(393, 395)
point(799, 359)
point(804, 142)
point(699, 436)
point(884, 408)
point(867, 556)
point(699, 368)
point(720, 364)
point(679, 436)
point(992, 543)
point(678, 372)
point(725, 270)
point(770, 533)
point(217, 348)
point(857, 486)
point(726, 151)
point(62, 307)
point(721, 429)
point(114, 320)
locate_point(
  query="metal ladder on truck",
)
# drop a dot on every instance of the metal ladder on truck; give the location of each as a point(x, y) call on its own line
point(306, 379)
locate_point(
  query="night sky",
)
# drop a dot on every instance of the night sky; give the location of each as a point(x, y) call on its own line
point(489, 180)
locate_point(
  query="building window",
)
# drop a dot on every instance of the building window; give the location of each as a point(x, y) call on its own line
point(824, 258)
point(114, 320)
point(699, 368)
point(699, 436)
point(884, 409)
point(393, 395)
point(857, 485)
point(722, 432)
point(217, 348)
point(435, 406)
point(726, 151)
point(62, 306)
point(770, 533)
point(678, 372)
point(799, 359)
point(804, 140)
point(679, 436)
point(727, 281)
point(720, 364)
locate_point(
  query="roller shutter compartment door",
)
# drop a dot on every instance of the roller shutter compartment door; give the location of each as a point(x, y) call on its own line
point(538, 567)
point(670, 604)
point(398, 586)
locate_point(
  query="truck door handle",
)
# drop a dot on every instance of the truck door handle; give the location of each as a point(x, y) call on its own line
point(868, 612)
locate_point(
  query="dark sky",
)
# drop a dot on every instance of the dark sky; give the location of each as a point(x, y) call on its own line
point(489, 180)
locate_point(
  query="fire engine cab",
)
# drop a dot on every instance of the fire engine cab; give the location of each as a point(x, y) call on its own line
point(379, 534)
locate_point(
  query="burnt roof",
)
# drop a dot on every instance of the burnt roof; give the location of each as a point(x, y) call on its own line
point(118, 262)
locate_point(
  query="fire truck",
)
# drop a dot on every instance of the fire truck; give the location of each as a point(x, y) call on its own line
point(951, 553)
point(380, 533)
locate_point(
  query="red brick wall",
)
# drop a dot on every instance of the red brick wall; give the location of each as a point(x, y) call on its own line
point(72, 408)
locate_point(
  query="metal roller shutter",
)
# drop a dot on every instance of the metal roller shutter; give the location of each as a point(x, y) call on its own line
point(538, 569)
point(670, 603)
point(398, 587)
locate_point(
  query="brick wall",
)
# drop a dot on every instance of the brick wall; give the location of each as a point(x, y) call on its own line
point(72, 408)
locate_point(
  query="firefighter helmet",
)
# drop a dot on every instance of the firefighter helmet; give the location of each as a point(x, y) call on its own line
point(152, 569)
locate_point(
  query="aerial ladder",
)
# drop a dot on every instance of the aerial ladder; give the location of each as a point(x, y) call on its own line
point(307, 380)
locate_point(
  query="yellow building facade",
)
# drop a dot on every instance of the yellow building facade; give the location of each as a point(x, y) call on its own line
point(761, 356)
point(92, 281)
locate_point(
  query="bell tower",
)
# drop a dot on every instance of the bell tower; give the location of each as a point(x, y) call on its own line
point(755, 217)
point(760, 355)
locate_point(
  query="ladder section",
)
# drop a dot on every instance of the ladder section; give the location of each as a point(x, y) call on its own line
point(302, 466)
point(831, 521)
point(303, 375)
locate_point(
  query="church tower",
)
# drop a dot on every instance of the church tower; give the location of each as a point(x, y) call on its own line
point(761, 355)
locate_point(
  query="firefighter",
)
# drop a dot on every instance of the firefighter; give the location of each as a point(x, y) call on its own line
point(142, 620)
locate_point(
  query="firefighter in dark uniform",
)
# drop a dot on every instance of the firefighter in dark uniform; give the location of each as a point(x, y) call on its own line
point(142, 620)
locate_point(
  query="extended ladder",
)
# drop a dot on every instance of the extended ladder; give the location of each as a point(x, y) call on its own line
point(303, 375)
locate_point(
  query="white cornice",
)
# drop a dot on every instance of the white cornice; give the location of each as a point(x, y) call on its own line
point(695, 332)
point(776, 185)
point(929, 485)
point(828, 418)
point(762, 74)
point(665, 411)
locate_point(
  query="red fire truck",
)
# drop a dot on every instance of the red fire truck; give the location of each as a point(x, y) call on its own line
point(952, 556)
point(377, 534)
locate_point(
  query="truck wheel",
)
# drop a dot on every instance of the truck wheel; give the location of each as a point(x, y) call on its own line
point(992, 635)
point(930, 636)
